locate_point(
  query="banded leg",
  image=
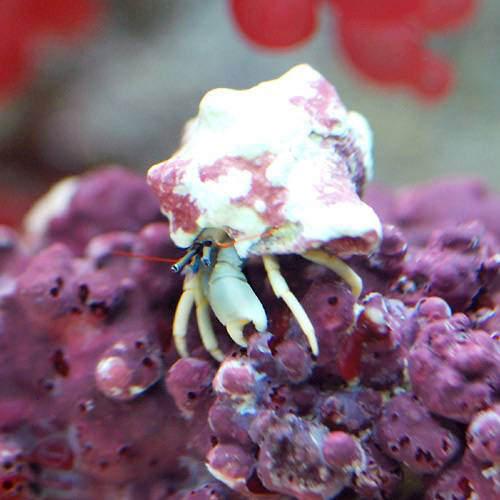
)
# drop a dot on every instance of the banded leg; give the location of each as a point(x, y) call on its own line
point(339, 267)
point(281, 290)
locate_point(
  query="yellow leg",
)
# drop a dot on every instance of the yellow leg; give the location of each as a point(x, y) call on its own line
point(339, 267)
point(204, 321)
point(281, 290)
point(181, 317)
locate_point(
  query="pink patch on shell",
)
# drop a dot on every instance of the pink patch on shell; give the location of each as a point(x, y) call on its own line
point(273, 197)
point(335, 185)
point(320, 105)
point(184, 210)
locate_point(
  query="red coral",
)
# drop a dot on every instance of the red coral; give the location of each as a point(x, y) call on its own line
point(24, 23)
point(384, 40)
point(277, 24)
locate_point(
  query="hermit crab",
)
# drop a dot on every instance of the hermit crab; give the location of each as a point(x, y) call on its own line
point(274, 169)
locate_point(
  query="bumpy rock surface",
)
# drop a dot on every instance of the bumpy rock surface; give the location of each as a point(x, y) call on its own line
point(79, 208)
point(403, 399)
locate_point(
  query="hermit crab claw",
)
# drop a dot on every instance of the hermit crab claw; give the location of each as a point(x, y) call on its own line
point(214, 281)
point(220, 285)
point(275, 169)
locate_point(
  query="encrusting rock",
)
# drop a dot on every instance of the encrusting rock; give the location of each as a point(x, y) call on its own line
point(106, 408)
point(402, 398)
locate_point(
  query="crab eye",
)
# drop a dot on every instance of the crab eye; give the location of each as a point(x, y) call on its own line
point(208, 255)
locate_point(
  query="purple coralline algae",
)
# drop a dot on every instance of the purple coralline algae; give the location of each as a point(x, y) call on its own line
point(401, 402)
point(79, 208)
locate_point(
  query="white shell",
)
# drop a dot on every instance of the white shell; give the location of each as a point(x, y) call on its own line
point(279, 167)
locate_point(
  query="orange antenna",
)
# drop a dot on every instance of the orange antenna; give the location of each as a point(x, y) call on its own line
point(231, 243)
point(148, 258)
point(198, 252)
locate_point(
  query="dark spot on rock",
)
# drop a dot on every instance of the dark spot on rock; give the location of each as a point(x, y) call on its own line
point(83, 293)
point(36, 489)
point(124, 451)
point(7, 484)
point(148, 362)
point(404, 441)
point(48, 385)
point(255, 485)
point(60, 365)
point(422, 455)
point(99, 308)
point(35, 468)
point(465, 486)
point(55, 290)
point(333, 300)
point(445, 445)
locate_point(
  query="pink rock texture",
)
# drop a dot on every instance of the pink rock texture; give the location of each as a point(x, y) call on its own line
point(403, 397)
point(111, 199)
point(404, 431)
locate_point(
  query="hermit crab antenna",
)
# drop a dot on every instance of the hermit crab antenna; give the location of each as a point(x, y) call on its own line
point(186, 259)
point(149, 258)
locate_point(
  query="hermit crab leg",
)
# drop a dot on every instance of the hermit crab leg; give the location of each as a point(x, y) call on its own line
point(281, 290)
point(339, 267)
point(204, 321)
point(193, 295)
point(182, 313)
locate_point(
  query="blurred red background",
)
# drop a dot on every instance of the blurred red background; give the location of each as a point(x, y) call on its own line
point(87, 82)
